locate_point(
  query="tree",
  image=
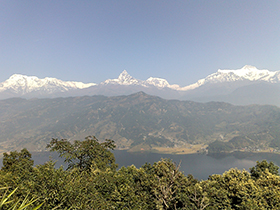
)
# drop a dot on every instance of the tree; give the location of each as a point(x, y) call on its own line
point(18, 166)
point(168, 184)
point(235, 189)
point(260, 168)
point(269, 185)
point(15, 161)
point(130, 189)
point(86, 154)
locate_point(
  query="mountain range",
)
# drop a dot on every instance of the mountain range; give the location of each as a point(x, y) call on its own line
point(136, 122)
point(244, 86)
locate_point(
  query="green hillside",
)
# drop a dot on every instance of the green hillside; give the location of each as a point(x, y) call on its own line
point(137, 122)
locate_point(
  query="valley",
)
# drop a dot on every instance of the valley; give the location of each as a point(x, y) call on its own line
point(215, 114)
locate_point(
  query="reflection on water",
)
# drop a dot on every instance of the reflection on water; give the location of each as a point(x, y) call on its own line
point(200, 166)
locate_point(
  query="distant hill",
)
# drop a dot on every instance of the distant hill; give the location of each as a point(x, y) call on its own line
point(244, 86)
point(137, 121)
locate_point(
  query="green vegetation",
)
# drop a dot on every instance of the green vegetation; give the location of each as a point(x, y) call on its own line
point(137, 122)
point(87, 154)
point(92, 181)
point(16, 205)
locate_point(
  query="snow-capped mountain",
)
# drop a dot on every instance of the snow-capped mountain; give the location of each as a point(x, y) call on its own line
point(242, 86)
point(247, 73)
point(21, 85)
point(125, 79)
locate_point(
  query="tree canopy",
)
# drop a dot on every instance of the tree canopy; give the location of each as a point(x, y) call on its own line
point(85, 154)
point(261, 167)
point(91, 181)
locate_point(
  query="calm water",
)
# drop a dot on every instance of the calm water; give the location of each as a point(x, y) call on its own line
point(200, 166)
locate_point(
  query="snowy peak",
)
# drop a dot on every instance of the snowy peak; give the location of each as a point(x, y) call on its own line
point(124, 76)
point(249, 67)
point(123, 79)
point(247, 73)
point(158, 82)
point(126, 79)
point(23, 84)
point(250, 73)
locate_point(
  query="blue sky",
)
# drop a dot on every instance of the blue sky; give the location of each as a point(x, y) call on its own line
point(181, 41)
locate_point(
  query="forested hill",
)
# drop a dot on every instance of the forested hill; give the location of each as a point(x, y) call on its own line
point(136, 122)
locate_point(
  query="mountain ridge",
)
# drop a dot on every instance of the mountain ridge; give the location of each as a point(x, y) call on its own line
point(126, 79)
point(247, 72)
point(219, 85)
point(22, 84)
point(135, 121)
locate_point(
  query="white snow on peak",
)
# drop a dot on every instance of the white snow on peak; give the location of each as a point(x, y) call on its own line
point(250, 72)
point(23, 84)
point(125, 79)
point(247, 73)
point(158, 82)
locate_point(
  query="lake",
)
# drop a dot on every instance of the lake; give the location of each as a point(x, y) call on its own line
point(200, 166)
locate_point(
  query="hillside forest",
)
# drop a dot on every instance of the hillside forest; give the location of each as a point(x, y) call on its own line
point(92, 181)
point(140, 122)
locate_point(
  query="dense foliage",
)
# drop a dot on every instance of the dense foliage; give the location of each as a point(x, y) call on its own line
point(92, 181)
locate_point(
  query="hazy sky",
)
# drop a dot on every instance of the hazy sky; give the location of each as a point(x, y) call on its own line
point(181, 41)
